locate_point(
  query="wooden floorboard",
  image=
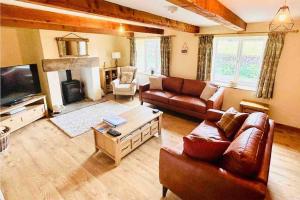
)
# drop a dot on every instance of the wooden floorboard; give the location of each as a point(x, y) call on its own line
point(44, 163)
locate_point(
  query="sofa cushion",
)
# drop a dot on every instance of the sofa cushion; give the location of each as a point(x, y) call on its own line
point(172, 84)
point(193, 87)
point(258, 120)
point(204, 148)
point(209, 129)
point(188, 102)
point(231, 121)
point(123, 88)
point(208, 91)
point(155, 83)
point(158, 95)
point(244, 154)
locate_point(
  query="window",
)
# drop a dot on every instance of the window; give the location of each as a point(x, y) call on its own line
point(148, 55)
point(237, 61)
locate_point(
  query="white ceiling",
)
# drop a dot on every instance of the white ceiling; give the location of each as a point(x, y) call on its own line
point(261, 10)
point(249, 10)
point(159, 7)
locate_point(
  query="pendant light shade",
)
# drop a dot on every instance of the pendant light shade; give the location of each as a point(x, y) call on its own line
point(282, 20)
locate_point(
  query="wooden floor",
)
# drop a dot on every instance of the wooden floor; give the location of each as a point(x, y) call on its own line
point(44, 163)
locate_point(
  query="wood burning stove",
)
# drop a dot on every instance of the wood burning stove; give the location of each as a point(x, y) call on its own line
point(72, 89)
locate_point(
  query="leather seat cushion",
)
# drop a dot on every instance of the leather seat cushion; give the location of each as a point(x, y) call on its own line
point(193, 87)
point(244, 154)
point(258, 120)
point(172, 84)
point(204, 148)
point(210, 130)
point(188, 102)
point(158, 95)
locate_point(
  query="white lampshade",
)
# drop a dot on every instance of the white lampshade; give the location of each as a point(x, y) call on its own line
point(116, 55)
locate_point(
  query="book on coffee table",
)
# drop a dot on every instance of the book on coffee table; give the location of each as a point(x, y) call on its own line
point(114, 120)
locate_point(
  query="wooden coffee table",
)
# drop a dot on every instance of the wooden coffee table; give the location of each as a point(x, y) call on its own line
point(141, 125)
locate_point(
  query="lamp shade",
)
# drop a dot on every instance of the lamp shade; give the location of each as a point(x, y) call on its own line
point(282, 20)
point(116, 55)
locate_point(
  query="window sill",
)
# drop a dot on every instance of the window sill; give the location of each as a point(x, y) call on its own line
point(235, 87)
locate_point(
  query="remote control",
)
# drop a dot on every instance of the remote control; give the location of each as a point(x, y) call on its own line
point(113, 132)
point(155, 111)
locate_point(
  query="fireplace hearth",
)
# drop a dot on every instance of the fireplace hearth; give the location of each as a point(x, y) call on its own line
point(72, 89)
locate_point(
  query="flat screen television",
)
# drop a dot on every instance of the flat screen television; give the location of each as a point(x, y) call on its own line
point(18, 82)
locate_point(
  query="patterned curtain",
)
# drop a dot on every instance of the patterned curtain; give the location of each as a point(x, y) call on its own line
point(204, 57)
point(132, 51)
point(165, 53)
point(270, 63)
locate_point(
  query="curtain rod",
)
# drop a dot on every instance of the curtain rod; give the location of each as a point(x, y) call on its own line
point(158, 36)
point(244, 33)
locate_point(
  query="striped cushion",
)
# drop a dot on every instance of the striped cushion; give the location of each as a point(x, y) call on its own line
point(231, 121)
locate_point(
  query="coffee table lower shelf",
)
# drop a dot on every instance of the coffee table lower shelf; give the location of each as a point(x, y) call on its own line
point(118, 147)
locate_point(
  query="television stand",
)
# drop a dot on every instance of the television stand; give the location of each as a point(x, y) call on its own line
point(35, 108)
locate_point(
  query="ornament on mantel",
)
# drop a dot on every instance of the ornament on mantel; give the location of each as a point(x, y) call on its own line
point(184, 48)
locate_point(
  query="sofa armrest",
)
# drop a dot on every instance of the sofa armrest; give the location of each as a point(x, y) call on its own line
point(194, 179)
point(143, 88)
point(214, 115)
point(216, 100)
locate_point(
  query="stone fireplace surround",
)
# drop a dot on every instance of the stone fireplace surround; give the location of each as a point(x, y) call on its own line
point(88, 68)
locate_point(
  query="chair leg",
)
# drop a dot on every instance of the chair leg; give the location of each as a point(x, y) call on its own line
point(115, 97)
point(164, 191)
point(142, 103)
point(132, 97)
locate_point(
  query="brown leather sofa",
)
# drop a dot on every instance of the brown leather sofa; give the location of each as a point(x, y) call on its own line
point(227, 178)
point(182, 95)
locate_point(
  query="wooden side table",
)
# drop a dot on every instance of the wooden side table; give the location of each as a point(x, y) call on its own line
point(252, 106)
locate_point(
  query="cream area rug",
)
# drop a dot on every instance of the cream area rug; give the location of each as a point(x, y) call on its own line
point(80, 121)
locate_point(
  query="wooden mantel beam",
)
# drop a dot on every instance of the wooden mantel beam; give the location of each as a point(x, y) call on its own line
point(105, 8)
point(213, 10)
point(17, 16)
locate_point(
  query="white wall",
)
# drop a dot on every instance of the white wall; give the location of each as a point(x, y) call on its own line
point(22, 46)
point(91, 81)
point(285, 104)
point(99, 45)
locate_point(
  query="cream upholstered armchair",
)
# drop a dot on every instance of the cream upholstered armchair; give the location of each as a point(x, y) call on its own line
point(126, 83)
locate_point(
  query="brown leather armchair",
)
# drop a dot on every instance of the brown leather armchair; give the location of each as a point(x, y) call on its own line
point(195, 179)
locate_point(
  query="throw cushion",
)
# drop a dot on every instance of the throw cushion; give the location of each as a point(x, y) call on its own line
point(207, 149)
point(155, 83)
point(126, 77)
point(231, 121)
point(208, 91)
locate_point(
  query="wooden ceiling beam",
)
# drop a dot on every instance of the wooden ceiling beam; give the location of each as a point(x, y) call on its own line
point(213, 10)
point(17, 16)
point(104, 8)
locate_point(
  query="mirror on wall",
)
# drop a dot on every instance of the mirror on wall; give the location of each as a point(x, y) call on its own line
point(72, 46)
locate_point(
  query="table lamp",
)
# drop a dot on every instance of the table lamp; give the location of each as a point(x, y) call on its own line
point(116, 56)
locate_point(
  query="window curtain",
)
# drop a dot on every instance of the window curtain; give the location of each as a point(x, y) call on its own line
point(165, 53)
point(273, 51)
point(132, 51)
point(205, 49)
